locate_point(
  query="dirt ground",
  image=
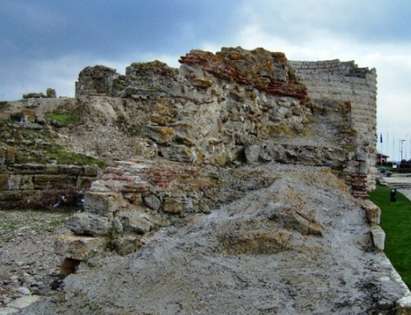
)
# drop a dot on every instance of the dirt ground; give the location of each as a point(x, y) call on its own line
point(28, 263)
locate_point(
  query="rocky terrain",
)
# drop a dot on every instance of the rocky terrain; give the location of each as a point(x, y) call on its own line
point(298, 246)
point(29, 265)
point(226, 186)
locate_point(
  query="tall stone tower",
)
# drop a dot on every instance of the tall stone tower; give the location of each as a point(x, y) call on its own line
point(345, 81)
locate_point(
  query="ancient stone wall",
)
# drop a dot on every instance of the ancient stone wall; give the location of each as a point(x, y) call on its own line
point(345, 81)
point(29, 186)
point(283, 98)
point(223, 109)
point(36, 171)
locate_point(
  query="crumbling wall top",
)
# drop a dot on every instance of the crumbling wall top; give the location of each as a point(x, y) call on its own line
point(334, 67)
point(96, 80)
point(259, 68)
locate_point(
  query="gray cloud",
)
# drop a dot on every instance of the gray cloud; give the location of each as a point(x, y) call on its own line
point(45, 43)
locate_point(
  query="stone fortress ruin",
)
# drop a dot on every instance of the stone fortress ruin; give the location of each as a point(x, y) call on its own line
point(240, 170)
point(333, 81)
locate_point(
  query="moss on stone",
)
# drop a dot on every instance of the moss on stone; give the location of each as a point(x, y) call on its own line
point(63, 156)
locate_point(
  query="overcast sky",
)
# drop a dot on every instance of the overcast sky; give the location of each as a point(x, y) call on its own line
point(45, 43)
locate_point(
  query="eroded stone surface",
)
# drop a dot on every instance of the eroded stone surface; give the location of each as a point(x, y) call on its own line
point(79, 247)
point(378, 237)
point(249, 256)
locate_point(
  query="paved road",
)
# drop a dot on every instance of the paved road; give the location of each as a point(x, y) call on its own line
point(400, 181)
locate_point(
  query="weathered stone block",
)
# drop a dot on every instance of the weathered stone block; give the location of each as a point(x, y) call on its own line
point(90, 171)
point(202, 83)
point(71, 170)
point(252, 153)
point(152, 201)
point(33, 168)
point(20, 182)
point(127, 244)
point(372, 211)
point(88, 224)
point(173, 204)
point(135, 221)
point(161, 135)
point(79, 247)
point(103, 203)
point(179, 153)
point(378, 237)
point(54, 182)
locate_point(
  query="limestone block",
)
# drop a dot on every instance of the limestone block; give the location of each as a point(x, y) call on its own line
point(127, 244)
point(90, 171)
point(99, 186)
point(54, 182)
point(152, 201)
point(404, 306)
point(103, 203)
point(88, 224)
point(135, 221)
point(70, 170)
point(363, 169)
point(33, 168)
point(252, 153)
point(79, 247)
point(20, 182)
point(202, 83)
point(173, 204)
point(255, 242)
point(161, 135)
point(378, 237)
point(372, 211)
point(180, 153)
point(133, 186)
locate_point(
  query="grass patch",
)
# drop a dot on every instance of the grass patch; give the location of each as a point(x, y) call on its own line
point(62, 156)
point(63, 119)
point(396, 222)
